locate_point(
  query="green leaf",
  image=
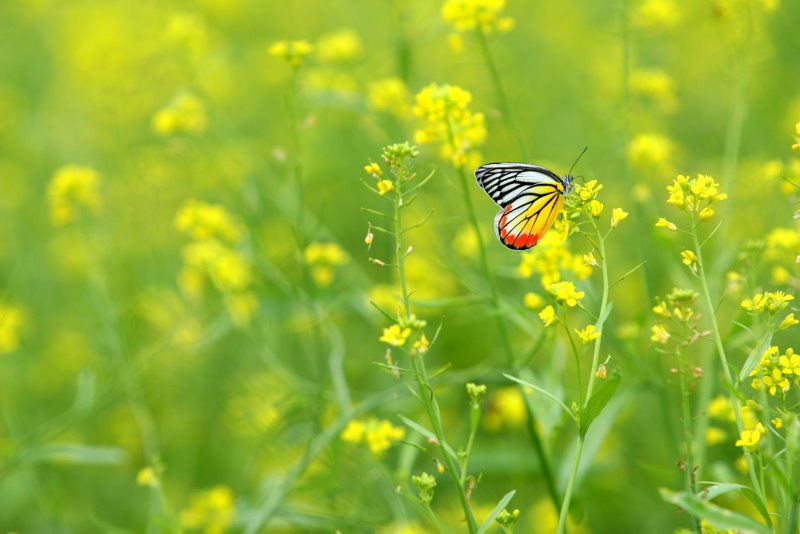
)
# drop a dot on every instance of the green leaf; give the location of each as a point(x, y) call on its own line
point(716, 515)
point(715, 490)
point(494, 513)
point(598, 401)
point(603, 316)
point(755, 357)
point(543, 392)
point(430, 435)
point(76, 454)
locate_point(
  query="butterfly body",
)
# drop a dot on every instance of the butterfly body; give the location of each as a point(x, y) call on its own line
point(530, 198)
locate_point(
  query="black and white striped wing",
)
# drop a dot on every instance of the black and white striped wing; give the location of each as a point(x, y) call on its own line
point(505, 182)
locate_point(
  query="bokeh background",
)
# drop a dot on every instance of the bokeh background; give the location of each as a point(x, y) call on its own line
point(163, 362)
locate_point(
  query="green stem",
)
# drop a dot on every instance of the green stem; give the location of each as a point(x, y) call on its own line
point(562, 518)
point(730, 385)
point(576, 355)
point(505, 338)
point(691, 482)
point(502, 99)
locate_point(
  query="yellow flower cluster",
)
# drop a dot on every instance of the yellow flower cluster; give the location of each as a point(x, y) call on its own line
point(211, 254)
point(449, 122)
point(750, 438)
point(389, 95)
point(485, 15)
point(72, 189)
point(186, 114)
point(776, 373)
point(548, 315)
point(395, 335)
point(565, 293)
point(212, 510)
point(292, 52)
point(11, 322)
point(552, 259)
point(651, 152)
point(675, 315)
point(695, 195)
point(322, 259)
point(342, 45)
point(771, 302)
point(588, 334)
point(378, 434)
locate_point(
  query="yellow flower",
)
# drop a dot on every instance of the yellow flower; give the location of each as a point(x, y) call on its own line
point(771, 302)
point(602, 372)
point(421, 345)
point(663, 223)
point(705, 214)
point(715, 436)
point(788, 322)
point(533, 301)
point(588, 191)
point(342, 45)
point(597, 208)
point(652, 152)
point(202, 221)
point(618, 215)
point(588, 334)
point(688, 257)
point(790, 363)
point(373, 169)
point(389, 95)
point(720, 408)
point(467, 15)
point(385, 186)
point(291, 51)
point(382, 434)
point(353, 432)
point(449, 122)
point(395, 335)
point(11, 322)
point(566, 293)
point(185, 114)
point(147, 477)
point(73, 188)
point(777, 422)
point(660, 334)
point(212, 510)
point(750, 438)
point(653, 14)
point(589, 259)
point(548, 315)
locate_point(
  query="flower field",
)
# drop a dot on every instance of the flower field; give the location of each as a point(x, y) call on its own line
point(257, 274)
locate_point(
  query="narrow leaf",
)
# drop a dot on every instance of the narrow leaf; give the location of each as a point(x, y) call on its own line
point(543, 392)
point(716, 515)
point(494, 513)
point(430, 435)
point(755, 357)
point(715, 490)
point(598, 401)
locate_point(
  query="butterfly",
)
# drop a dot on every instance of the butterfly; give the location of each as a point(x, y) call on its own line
point(531, 197)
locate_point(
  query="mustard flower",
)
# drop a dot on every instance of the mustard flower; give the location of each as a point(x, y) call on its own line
point(771, 302)
point(566, 293)
point(395, 335)
point(448, 121)
point(292, 52)
point(385, 186)
point(618, 215)
point(663, 223)
point(588, 334)
point(548, 315)
point(72, 189)
point(342, 45)
point(788, 322)
point(596, 207)
point(373, 169)
point(750, 438)
point(777, 422)
point(486, 15)
point(589, 259)
point(588, 191)
point(660, 334)
point(533, 301)
point(688, 257)
point(421, 345)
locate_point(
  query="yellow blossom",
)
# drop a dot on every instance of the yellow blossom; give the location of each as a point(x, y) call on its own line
point(777, 422)
point(588, 334)
point(395, 335)
point(771, 302)
point(342, 45)
point(663, 223)
point(548, 315)
point(385, 186)
point(788, 322)
point(618, 215)
point(467, 15)
point(688, 257)
point(589, 259)
point(421, 345)
point(373, 169)
point(533, 301)
point(380, 435)
point(705, 214)
point(750, 438)
point(588, 191)
point(353, 432)
point(660, 334)
point(566, 293)
point(596, 207)
point(147, 477)
point(74, 187)
point(291, 51)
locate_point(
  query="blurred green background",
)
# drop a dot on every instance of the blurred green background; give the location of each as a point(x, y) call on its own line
point(139, 394)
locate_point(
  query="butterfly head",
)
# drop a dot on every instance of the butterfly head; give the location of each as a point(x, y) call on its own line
point(567, 184)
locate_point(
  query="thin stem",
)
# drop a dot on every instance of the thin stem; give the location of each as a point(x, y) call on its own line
point(502, 328)
point(576, 355)
point(691, 482)
point(562, 518)
point(502, 99)
point(724, 362)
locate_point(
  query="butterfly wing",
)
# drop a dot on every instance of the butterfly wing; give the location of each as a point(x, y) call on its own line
point(531, 197)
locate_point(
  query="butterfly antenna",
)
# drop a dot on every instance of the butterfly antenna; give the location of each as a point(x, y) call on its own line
point(577, 160)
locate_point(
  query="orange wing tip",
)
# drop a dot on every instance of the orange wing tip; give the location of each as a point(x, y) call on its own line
point(532, 240)
point(503, 233)
point(509, 239)
point(522, 238)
